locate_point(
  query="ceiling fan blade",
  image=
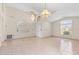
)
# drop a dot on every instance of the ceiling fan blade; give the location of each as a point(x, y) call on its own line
point(53, 12)
point(34, 12)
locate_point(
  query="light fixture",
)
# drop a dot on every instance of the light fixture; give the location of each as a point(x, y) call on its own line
point(32, 17)
point(45, 12)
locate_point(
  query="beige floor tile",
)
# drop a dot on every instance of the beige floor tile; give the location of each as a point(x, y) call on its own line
point(36, 46)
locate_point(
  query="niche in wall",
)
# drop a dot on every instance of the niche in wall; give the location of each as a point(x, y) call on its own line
point(24, 27)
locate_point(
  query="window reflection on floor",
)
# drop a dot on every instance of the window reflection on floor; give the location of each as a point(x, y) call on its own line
point(66, 47)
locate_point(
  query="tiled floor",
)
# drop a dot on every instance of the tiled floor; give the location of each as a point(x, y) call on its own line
point(35, 46)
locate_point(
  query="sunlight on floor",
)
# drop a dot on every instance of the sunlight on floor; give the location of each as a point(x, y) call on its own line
point(66, 46)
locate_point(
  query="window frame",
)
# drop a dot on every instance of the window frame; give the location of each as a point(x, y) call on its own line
point(62, 24)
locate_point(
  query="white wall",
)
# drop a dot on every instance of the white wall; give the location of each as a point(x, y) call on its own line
point(63, 13)
point(1, 23)
point(12, 17)
point(75, 27)
point(43, 29)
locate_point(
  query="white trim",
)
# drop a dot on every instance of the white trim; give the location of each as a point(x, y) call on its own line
point(2, 37)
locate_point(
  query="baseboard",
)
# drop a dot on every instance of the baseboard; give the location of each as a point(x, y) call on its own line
point(44, 37)
point(64, 37)
point(24, 37)
point(2, 39)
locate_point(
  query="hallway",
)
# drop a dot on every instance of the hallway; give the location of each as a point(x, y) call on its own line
point(43, 46)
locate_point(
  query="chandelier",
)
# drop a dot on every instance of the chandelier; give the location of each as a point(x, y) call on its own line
point(45, 12)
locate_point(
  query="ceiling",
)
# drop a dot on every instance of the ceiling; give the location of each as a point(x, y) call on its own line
point(49, 6)
point(62, 9)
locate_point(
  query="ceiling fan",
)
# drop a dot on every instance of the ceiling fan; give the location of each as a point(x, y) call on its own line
point(44, 13)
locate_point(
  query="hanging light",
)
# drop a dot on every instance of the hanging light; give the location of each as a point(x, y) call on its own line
point(32, 17)
point(45, 12)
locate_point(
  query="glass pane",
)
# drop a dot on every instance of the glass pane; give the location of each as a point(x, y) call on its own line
point(66, 27)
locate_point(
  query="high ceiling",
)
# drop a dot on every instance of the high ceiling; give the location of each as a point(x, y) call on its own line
point(49, 6)
point(62, 9)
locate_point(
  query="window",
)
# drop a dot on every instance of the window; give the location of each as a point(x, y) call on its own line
point(66, 27)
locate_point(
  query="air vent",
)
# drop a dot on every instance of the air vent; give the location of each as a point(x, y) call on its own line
point(9, 36)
